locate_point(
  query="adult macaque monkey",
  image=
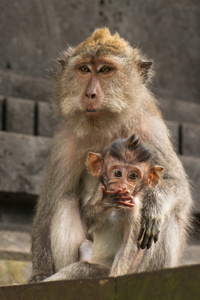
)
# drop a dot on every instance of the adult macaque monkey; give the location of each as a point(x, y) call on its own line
point(102, 94)
point(113, 219)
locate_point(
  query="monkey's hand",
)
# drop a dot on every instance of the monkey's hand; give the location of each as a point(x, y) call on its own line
point(149, 232)
point(37, 278)
point(119, 198)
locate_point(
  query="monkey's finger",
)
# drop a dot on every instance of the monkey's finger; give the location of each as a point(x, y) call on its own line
point(142, 230)
point(118, 192)
point(126, 197)
point(104, 190)
point(156, 236)
point(126, 203)
point(150, 242)
point(155, 231)
point(147, 235)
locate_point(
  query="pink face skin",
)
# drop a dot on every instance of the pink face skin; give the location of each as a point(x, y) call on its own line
point(123, 178)
point(93, 74)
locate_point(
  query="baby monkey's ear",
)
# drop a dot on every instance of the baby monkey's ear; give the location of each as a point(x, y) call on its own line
point(155, 176)
point(93, 164)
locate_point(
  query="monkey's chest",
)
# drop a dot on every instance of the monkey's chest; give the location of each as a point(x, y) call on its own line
point(108, 240)
point(87, 186)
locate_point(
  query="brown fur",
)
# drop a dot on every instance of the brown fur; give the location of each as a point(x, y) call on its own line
point(124, 106)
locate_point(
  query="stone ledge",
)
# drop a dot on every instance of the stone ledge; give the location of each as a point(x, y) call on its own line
point(27, 116)
point(190, 139)
point(174, 128)
point(24, 86)
point(180, 283)
point(14, 272)
point(23, 161)
point(15, 245)
point(20, 115)
point(180, 111)
point(192, 167)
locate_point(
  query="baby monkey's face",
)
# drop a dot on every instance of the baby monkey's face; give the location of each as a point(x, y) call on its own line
point(126, 176)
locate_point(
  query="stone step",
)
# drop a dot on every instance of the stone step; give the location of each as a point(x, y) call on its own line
point(23, 161)
point(179, 283)
point(15, 254)
point(176, 59)
point(192, 167)
point(15, 242)
point(39, 89)
point(14, 272)
point(26, 116)
point(38, 118)
point(185, 137)
point(180, 111)
point(24, 86)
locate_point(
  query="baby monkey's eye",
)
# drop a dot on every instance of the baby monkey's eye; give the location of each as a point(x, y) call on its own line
point(118, 173)
point(133, 176)
point(84, 69)
point(105, 70)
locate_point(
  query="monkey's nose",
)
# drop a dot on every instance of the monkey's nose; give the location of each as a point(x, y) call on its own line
point(90, 95)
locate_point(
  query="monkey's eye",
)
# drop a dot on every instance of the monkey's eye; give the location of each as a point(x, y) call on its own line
point(118, 173)
point(105, 70)
point(133, 176)
point(84, 69)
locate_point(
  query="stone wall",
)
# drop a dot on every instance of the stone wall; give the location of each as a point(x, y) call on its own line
point(33, 32)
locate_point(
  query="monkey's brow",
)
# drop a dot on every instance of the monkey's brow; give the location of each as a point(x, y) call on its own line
point(99, 67)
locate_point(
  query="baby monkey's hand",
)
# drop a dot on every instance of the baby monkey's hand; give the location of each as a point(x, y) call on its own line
point(119, 198)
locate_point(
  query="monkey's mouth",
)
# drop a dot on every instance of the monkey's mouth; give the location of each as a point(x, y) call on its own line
point(93, 112)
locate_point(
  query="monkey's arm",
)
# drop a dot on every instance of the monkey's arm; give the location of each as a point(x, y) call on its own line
point(169, 197)
point(92, 211)
point(95, 210)
point(41, 246)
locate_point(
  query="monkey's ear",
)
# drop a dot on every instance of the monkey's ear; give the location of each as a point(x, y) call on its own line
point(65, 56)
point(94, 164)
point(62, 62)
point(144, 67)
point(155, 176)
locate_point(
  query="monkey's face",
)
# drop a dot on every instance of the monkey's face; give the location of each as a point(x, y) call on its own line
point(126, 177)
point(96, 88)
point(100, 83)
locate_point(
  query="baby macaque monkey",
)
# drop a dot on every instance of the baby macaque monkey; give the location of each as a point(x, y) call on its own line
point(125, 171)
point(113, 215)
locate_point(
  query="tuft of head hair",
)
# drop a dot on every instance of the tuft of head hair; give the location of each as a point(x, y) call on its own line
point(132, 142)
point(140, 150)
point(129, 150)
point(102, 42)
